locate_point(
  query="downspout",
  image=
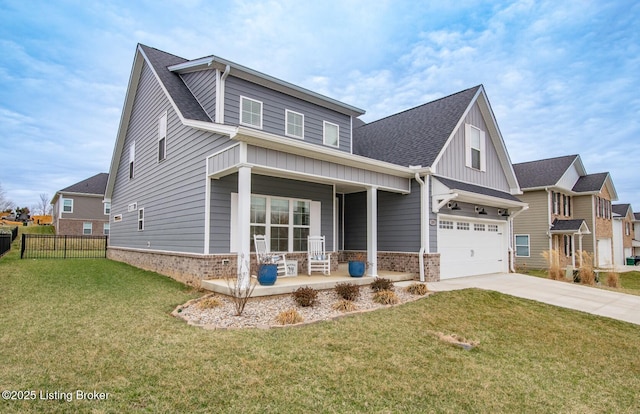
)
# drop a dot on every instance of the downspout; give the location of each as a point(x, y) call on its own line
point(424, 221)
point(512, 258)
point(220, 100)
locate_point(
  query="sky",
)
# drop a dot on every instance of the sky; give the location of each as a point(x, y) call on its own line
point(562, 77)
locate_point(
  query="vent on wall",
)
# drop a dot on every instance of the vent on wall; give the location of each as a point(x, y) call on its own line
point(132, 207)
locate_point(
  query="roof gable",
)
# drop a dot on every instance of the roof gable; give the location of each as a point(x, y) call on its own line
point(415, 136)
point(543, 173)
point(621, 209)
point(595, 183)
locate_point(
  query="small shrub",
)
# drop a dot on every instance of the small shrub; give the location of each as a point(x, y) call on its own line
point(348, 291)
point(344, 306)
point(613, 280)
point(208, 303)
point(381, 284)
point(306, 296)
point(289, 317)
point(417, 289)
point(385, 297)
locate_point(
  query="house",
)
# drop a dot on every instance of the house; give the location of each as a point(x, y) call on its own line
point(623, 233)
point(209, 153)
point(635, 243)
point(569, 211)
point(79, 209)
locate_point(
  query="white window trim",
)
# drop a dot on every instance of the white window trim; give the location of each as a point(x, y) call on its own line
point(132, 159)
point(324, 134)
point(107, 208)
point(242, 98)
point(106, 229)
point(515, 244)
point(286, 124)
point(315, 216)
point(85, 227)
point(483, 148)
point(65, 199)
point(117, 218)
point(162, 134)
point(141, 219)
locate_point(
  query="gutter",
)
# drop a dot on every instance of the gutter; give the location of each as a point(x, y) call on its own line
point(424, 219)
point(512, 255)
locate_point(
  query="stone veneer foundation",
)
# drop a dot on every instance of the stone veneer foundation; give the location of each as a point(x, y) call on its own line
point(190, 269)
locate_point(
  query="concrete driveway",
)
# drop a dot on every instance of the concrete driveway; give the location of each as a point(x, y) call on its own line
point(566, 295)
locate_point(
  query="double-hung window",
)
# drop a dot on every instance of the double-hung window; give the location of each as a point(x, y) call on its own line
point(295, 124)
point(567, 205)
point(162, 137)
point(87, 228)
point(475, 148)
point(522, 245)
point(141, 219)
point(330, 134)
point(67, 205)
point(107, 208)
point(250, 112)
point(132, 159)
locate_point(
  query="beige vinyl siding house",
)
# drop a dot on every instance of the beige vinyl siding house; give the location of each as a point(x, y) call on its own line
point(529, 223)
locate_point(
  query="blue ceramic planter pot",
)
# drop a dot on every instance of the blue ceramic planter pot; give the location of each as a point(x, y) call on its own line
point(356, 269)
point(267, 274)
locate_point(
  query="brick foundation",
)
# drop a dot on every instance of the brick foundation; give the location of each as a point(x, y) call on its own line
point(402, 262)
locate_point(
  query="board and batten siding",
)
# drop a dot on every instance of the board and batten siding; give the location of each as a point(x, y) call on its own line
point(202, 85)
point(221, 190)
point(172, 191)
point(355, 221)
point(399, 220)
point(452, 164)
point(535, 223)
point(275, 103)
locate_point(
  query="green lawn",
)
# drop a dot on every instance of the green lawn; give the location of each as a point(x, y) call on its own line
point(93, 324)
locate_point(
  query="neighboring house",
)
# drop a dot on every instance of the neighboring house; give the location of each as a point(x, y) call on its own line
point(79, 209)
point(209, 152)
point(622, 233)
point(569, 210)
point(635, 243)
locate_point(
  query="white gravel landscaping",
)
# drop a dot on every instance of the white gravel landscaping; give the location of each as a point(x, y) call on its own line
point(262, 312)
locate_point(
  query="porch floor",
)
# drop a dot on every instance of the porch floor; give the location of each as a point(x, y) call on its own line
point(285, 285)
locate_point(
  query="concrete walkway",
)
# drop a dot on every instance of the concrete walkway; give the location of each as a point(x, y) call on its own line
point(596, 301)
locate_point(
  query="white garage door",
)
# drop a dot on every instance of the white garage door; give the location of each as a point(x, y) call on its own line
point(471, 247)
point(604, 252)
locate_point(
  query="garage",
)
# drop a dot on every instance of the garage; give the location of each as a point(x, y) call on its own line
point(471, 247)
point(604, 253)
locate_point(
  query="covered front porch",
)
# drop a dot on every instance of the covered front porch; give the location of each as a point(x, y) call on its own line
point(318, 281)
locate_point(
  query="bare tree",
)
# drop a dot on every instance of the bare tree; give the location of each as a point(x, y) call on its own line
point(43, 207)
point(5, 203)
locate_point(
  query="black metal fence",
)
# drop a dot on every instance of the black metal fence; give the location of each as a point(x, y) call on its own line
point(41, 246)
point(5, 243)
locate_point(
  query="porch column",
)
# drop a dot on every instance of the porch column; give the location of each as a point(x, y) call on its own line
point(580, 248)
point(244, 228)
point(573, 251)
point(372, 230)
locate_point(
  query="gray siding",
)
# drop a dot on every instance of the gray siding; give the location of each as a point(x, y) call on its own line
point(297, 163)
point(355, 221)
point(202, 85)
point(270, 186)
point(273, 110)
point(224, 160)
point(452, 163)
point(399, 220)
point(535, 223)
point(172, 192)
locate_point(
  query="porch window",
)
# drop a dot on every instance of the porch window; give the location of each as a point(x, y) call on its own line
point(285, 222)
point(250, 112)
point(522, 245)
point(331, 133)
point(295, 124)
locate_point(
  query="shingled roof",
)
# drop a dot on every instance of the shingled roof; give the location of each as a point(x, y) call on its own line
point(620, 209)
point(590, 183)
point(93, 185)
point(561, 226)
point(415, 136)
point(542, 173)
point(180, 94)
point(457, 185)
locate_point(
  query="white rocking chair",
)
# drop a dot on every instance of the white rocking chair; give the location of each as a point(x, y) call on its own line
point(264, 255)
point(318, 260)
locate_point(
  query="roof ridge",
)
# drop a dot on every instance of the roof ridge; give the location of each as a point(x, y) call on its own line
point(166, 53)
point(418, 106)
